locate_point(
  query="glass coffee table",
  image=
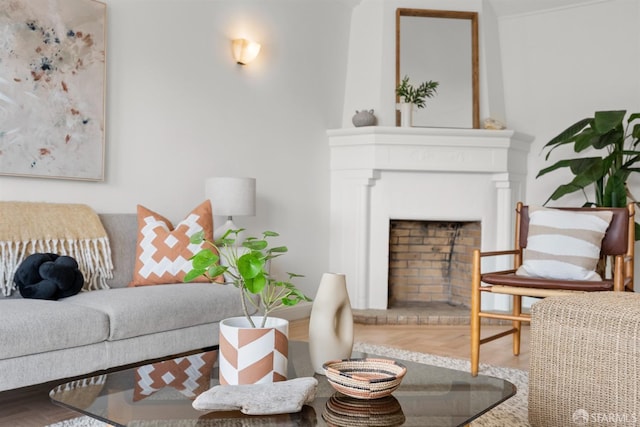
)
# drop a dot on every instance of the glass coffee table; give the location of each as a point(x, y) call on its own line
point(161, 394)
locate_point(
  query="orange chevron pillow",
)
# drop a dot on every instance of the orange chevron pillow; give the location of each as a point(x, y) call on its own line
point(163, 252)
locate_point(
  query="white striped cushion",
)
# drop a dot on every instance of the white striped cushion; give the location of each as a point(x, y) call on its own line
point(564, 244)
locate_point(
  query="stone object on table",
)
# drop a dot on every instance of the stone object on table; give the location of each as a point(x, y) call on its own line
point(281, 397)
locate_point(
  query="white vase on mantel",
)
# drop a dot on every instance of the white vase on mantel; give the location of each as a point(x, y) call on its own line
point(331, 322)
point(406, 114)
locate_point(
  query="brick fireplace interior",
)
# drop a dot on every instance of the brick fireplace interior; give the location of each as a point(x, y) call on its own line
point(430, 261)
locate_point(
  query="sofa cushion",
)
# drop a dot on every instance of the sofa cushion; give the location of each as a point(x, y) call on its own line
point(122, 230)
point(37, 326)
point(163, 253)
point(149, 309)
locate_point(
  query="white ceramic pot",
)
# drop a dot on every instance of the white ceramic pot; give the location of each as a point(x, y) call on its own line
point(253, 355)
point(406, 114)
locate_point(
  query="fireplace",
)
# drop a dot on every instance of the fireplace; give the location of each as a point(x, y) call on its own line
point(429, 261)
point(417, 174)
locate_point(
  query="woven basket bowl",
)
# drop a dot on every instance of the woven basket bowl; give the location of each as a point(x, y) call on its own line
point(368, 378)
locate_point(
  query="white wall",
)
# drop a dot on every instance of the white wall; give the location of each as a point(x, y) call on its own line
point(562, 65)
point(180, 110)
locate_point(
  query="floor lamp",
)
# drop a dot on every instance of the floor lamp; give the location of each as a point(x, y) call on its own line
point(231, 196)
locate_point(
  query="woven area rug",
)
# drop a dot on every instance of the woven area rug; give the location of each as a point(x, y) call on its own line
point(512, 413)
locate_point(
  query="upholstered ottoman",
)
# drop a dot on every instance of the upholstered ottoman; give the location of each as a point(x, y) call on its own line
point(585, 360)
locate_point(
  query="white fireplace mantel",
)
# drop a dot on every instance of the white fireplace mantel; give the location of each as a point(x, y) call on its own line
point(384, 173)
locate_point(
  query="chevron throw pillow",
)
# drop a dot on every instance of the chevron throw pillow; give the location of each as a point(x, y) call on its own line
point(163, 252)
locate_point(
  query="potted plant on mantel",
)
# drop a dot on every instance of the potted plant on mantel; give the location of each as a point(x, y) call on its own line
point(615, 142)
point(410, 96)
point(247, 268)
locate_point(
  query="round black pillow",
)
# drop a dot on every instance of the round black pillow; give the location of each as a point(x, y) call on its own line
point(48, 276)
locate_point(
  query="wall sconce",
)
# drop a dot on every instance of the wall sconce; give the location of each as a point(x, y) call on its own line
point(244, 51)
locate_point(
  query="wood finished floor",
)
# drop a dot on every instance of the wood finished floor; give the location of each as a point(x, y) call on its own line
point(30, 406)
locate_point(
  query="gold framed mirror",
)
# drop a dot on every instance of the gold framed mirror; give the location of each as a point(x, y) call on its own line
point(440, 45)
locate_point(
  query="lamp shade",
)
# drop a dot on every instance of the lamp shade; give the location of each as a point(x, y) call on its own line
point(231, 196)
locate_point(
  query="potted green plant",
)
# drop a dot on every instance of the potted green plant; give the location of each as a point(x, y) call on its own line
point(410, 95)
point(606, 148)
point(247, 267)
point(416, 95)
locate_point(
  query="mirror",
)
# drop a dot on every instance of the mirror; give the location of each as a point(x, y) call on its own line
point(442, 46)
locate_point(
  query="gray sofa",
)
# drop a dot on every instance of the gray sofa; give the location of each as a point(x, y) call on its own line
point(47, 340)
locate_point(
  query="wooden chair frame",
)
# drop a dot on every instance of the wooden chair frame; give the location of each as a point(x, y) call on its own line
point(622, 276)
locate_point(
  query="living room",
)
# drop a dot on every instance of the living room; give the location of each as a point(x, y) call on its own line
point(180, 110)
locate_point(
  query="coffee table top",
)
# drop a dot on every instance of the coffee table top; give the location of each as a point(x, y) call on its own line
point(429, 395)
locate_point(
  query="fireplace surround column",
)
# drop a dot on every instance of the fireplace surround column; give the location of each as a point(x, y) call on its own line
point(350, 215)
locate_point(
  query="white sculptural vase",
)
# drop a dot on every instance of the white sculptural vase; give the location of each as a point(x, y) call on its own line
point(253, 355)
point(331, 322)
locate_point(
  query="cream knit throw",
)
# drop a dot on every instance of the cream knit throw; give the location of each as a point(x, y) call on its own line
point(74, 230)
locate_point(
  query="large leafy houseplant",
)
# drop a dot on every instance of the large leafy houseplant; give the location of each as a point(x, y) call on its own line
point(416, 95)
point(606, 147)
point(247, 268)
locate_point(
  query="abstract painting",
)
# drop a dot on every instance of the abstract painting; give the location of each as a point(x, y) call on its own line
point(52, 88)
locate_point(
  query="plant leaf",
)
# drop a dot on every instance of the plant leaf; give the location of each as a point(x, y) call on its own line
point(203, 259)
point(279, 249)
point(225, 242)
point(566, 136)
point(563, 190)
point(611, 138)
point(216, 270)
point(193, 274)
point(256, 284)
point(250, 266)
point(589, 168)
point(604, 121)
point(255, 245)
point(633, 117)
point(197, 238)
point(584, 140)
point(555, 166)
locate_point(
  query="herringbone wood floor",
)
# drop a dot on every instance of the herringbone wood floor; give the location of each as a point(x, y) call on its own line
point(30, 406)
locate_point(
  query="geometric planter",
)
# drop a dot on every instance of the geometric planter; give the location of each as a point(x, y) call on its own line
point(253, 355)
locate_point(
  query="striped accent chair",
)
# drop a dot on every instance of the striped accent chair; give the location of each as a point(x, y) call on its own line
point(557, 251)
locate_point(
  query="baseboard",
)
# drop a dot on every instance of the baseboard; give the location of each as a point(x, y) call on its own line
point(299, 311)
